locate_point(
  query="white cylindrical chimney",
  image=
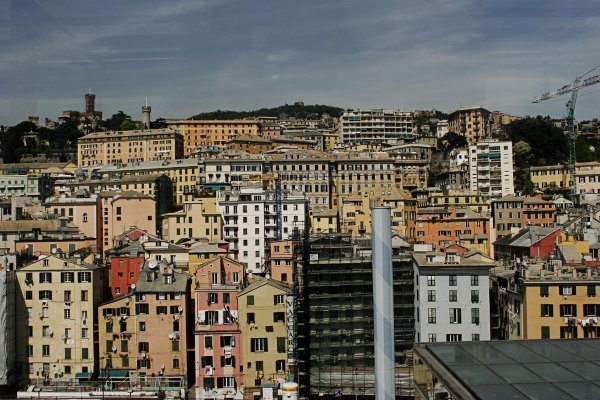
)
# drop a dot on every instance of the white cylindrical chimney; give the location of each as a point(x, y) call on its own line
point(383, 303)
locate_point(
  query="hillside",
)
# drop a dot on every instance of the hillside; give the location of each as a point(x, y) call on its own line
point(297, 110)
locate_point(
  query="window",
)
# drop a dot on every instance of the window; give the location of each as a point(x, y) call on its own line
point(545, 332)
point(67, 277)
point(161, 310)
point(260, 366)
point(29, 350)
point(567, 290)
point(175, 345)
point(568, 310)
point(544, 291)
point(176, 363)
point(430, 280)
point(208, 342)
point(213, 298)
point(474, 296)
point(28, 295)
point(46, 350)
point(67, 296)
point(431, 295)
point(591, 310)
point(226, 298)
point(250, 300)
point(547, 310)
point(278, 317)
point(453, 338)
point(45, 295)
point(431, 315)
point(206, 361)
point(259, 345)
point(475, 316)
point(455, 316)
point(432, 337)
point(84, 295)
point(453, 296)
point(591, 290)
point(280, 365)
point(475, 337)
point(85, 353)
point(45, 277)
point(474, 280)
point(143, 347)
point(84, 277)
point(67, 354)
point(67, 313)
point(278, 299)
point(84, 333)
point(142, 309)
point(142, 326)
point(250, 318)
point(29, 331)
point(451, 280)
point(281, 344)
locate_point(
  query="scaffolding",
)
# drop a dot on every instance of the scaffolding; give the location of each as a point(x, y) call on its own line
point(338, 296)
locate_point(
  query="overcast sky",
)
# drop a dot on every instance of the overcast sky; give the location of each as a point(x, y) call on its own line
point(190, 56)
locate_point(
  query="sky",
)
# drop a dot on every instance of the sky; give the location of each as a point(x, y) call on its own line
point(191, 56)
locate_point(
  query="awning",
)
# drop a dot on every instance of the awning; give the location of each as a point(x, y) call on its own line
point(114, 373)
point(83, 375)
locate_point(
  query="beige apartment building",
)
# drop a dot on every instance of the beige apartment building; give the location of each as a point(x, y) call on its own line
point(57, 300)
point(587, 178)
point(473, 123)
point(199, 218)
point(184, 173)
point(100, 148)
point(145, 332)
point(263, 317)
point(214, 132)
point(362, 173)
point(550, 177)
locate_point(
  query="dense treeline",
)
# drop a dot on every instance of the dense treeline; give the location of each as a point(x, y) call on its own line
point(298, 111)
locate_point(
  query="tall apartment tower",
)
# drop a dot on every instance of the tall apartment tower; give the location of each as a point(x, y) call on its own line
point(491, 171)
point(90, 103)
point(146, 110)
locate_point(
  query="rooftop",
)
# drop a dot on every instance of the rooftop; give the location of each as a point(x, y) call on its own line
point(515, 369)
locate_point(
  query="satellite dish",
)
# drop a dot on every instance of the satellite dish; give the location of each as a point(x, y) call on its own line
point(152, 264)
point(53, 251)
point(133, 285)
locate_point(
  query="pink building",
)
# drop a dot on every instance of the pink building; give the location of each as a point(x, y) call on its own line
point(106, 215)
point(218, 336)
point(282, 261)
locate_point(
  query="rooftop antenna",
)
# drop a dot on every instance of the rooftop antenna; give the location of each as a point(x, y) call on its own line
point(146, 101)
point(90, 89)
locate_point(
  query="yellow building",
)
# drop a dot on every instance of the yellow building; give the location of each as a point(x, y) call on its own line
point(184, 174)
point(356, 213)
point(57, 300)
point(214, 132)
point(200, 253)
point(100, 148)
point(146, 330)
point(150, 185)
point(198, 219)
point(263, 317)
point(551, 176)
point(324, 220)
point(362, 173)
point(459, 198)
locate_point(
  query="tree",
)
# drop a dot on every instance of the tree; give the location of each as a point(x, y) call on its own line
point(115, 122)
point(451, 140)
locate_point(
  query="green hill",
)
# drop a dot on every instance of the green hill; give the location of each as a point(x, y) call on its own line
point(297, 110)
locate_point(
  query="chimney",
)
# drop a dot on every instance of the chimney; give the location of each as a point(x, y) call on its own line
point(383, 304)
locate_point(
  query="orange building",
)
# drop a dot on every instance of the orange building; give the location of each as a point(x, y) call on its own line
point(538, 212)
point(282, 261)
point(214, 132)
point(442, 227)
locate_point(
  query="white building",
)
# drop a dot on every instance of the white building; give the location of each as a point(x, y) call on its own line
point(491, 171)
point(22, 185)
point(231, 168)
point(458, 157)
point(250, 223)
point(376, 126)
point(451, 298)
point(442, 128)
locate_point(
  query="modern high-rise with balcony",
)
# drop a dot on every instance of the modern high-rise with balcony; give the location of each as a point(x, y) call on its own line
point(473, 123)
point(376, 126)
point(491, 168)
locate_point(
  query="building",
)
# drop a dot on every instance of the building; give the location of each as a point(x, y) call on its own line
point(249, 217)
point(459, 198)
point(533, 242)
point(147, 332)
point(177, 256)
point(454, 178)
point(587, 179)
point(199, 219)
point(305, 171)
point(411, 169)
point(324, 220)
point(377, 126)
point(473, 123)
point(126, 262)
point(120, 147)
point(337, 319)
point(218, 339)
point(8, 335)
point(446, 287)
point(491, 168)
point(282, 261)
point(520, 369)
point(60, 237)
point(250, 144)
point(270, 129)
point(230, 168)
point(184, 174)
point(57, 299)
point(263, 317)
point(16, 185)
point(201, 252)
point(551, 177)
point(442, 128)
point(443, 226)
point(198, 133)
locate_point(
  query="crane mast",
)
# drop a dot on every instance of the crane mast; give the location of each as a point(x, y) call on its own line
point(572, 88)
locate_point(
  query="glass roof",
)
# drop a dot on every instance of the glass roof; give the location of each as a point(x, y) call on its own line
point(524, 369)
